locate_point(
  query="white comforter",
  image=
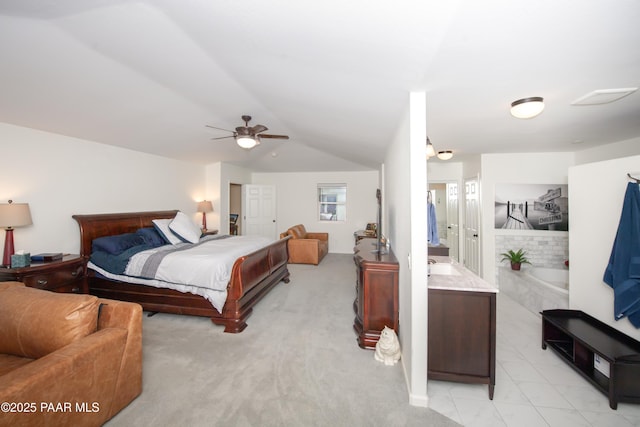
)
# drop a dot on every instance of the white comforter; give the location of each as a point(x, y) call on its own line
point(203, 269)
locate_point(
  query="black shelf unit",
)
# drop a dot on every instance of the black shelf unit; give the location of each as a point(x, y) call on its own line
point(579, 338)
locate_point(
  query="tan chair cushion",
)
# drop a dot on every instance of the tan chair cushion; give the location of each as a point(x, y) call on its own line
point(298, 232)
point(34, 323)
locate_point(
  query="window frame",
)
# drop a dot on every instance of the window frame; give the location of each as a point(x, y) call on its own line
point(338, 205)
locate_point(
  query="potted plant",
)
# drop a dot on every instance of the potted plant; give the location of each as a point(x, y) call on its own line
point(515, 258)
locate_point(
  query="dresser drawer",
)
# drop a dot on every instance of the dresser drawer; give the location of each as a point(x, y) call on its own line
point(77, 287)
point(55, 278)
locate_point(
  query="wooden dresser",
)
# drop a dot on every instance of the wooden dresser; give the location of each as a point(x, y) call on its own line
point(67, 275)
point(376, 303)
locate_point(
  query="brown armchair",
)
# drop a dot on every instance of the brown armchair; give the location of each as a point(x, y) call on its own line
point(305, 247)
point(68, 359)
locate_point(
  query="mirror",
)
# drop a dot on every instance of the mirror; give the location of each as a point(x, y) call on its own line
point(444, 198)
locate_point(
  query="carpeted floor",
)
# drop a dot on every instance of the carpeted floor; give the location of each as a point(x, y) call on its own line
point(296, 364)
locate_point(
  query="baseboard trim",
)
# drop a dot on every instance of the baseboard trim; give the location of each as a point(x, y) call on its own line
point(421, 401)
point(414, 400)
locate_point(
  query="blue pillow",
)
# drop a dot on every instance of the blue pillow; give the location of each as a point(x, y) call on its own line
point(117, 244)
point(151, 237)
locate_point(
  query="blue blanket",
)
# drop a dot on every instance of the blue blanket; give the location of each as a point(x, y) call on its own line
point(117, 264)
point(623, 270)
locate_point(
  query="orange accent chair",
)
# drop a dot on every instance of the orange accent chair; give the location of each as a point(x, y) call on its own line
point(67, 359)
point(305, 247)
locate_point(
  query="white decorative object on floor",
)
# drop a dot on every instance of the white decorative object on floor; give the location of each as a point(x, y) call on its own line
point(388, 347)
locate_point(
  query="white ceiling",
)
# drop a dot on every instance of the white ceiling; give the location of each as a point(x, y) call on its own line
point(334, 75)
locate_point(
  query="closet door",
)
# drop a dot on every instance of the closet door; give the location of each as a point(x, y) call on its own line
point(453, 221)
point(472, 225)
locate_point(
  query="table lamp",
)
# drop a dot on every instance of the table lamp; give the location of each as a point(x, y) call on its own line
point(204, 207)
point(12, 215)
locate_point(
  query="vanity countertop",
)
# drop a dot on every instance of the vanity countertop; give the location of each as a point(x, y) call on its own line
point(459, 279)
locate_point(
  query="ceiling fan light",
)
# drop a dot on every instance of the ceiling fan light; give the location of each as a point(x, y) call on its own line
point(246, 142)
point(445, 154)
point(527, 108)
point(430, 150)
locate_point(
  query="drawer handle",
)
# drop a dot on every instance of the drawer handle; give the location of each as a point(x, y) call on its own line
point(74, 273)
point(42, 282)
point(75, 290)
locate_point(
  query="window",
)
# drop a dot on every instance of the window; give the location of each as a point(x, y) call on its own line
point(332, 202)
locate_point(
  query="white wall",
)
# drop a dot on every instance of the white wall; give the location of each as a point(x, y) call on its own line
point(60, 176)
point(596, 195)
point(297, 203)
point(213, 176)
point(630, 147)
point(405, 215)
point(520, 168)
point(440, 171)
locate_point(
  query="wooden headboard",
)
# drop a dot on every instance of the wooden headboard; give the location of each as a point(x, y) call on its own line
point(99, 225)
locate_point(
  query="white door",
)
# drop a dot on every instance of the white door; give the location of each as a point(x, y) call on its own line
point(453, 225)
point(259, 210)
point(472, 225)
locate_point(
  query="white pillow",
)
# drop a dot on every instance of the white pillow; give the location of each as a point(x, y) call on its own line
point(185, 228)
point(162, 225)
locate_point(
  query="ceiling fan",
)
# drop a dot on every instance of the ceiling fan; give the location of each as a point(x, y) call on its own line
point(248, 136)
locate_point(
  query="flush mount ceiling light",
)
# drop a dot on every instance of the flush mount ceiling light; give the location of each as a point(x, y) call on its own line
point(527, 108)
point(430, 150)
point(445, 154)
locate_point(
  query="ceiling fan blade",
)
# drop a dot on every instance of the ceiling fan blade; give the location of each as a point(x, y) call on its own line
point(223, 137)
point(262, 135)
point(242, 130)
point(259, 128)
point(213, 127)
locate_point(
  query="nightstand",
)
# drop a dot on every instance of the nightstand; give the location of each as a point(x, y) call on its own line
point(67, 275)
point(209, 232)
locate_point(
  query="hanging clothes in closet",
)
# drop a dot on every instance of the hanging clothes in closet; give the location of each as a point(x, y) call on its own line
point(623, 270)
point(432, 224)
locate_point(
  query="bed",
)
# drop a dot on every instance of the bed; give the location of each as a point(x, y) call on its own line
point(252, 277)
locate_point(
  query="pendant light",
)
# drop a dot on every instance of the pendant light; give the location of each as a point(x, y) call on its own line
point(430, 150)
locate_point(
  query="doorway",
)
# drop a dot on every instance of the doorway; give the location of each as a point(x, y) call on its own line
point(259, 210)
point(444, 196)
point(235, 209)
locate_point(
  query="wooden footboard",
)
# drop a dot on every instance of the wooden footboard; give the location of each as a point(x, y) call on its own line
point(252, 277)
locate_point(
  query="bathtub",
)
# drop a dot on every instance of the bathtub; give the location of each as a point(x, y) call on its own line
point(536, 288)
point(554, 278)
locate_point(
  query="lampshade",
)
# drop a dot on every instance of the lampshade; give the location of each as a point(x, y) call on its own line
point(527, 108)
point(445, 154)
point(246, 142)
point(430, 150)
point(14, 214)
point(205, 206)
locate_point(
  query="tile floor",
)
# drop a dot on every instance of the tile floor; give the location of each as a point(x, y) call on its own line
point(534, 387)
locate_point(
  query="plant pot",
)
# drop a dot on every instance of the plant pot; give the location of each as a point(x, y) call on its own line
point(516, 266)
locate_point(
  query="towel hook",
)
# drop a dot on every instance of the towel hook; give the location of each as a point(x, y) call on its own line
point(635, 179)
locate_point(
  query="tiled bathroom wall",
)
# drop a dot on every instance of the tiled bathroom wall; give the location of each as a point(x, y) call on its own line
point(549, 251)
